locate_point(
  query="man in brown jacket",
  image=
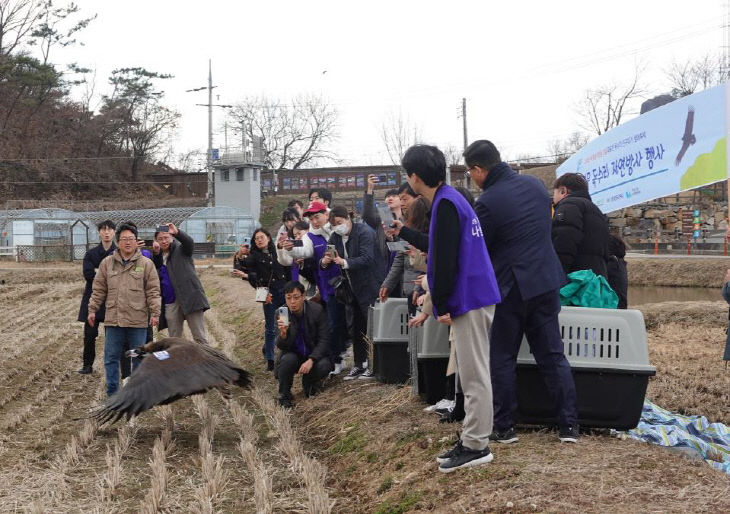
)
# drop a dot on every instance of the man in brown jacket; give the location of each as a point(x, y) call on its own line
point(129, 284)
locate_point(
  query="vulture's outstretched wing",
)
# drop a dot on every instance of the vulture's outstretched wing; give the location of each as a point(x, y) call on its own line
point(688, 138)
point(187, 368)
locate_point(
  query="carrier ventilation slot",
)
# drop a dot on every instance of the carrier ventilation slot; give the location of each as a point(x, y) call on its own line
point(404, 324)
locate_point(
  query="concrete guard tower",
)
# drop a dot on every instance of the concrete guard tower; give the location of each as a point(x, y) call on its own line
point(238, 177)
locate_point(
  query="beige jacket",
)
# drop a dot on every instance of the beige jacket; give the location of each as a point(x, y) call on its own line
point(131, 292)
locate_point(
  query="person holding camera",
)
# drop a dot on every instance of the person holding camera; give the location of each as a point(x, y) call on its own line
point(128, 283)
point(184, 296)
point(268, 277)
point(303, 341)
point(353, 252)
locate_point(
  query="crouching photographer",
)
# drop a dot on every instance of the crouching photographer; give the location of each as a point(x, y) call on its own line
point(303, 342)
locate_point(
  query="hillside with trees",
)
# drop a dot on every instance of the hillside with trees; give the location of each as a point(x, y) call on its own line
point(55, 146)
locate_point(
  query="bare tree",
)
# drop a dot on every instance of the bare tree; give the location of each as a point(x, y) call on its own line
point(606, 106)
point(294, 134)
point(18, 20)
point(398, 134)
point(691, 76)
point(560, 149)
point(453, 154)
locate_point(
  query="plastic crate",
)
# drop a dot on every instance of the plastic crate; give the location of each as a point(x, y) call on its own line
point(609, 358)
point(429, 347)
point(391, 362)
point(388, 321)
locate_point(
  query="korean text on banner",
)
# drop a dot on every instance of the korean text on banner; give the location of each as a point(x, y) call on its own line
point(676, 147)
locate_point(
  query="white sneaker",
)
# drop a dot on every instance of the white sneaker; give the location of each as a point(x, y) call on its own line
point(338, 368)
point(367, 374)
point(441, 404)
point(124, 381)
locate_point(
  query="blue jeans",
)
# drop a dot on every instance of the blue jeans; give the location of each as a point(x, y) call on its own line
point(114, 352)
point(277, 300)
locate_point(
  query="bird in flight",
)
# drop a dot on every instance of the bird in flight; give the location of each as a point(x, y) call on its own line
point(171, 368)
point(688, 138)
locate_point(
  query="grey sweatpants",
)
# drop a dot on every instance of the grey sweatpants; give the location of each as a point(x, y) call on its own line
point(471, 345)
point(196, 323)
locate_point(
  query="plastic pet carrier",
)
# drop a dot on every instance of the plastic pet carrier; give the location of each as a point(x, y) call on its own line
point(388, 330)
point(609, 357)
point(429, 347)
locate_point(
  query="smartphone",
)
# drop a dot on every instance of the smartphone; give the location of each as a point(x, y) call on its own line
point(284, 314)
point(298, 242)
point(163, 228)
point(331, 251)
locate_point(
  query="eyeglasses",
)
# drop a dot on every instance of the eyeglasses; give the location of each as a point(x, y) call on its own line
point(468, 171)
point(127, 239)
point(293, 297)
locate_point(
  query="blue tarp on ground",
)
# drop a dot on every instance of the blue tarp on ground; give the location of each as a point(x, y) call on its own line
point(710, 440)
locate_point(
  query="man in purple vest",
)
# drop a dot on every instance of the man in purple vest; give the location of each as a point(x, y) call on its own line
point(464, 291)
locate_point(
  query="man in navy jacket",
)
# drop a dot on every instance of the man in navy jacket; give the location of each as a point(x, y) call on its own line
point(514, 212)
point(92, 259)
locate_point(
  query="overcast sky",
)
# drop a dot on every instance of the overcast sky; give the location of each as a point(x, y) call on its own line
point(522, 66)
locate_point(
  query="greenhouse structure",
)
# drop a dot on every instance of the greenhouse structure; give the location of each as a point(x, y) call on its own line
point(59, 234)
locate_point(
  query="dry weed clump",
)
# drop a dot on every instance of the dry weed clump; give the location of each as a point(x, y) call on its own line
point(262, 482)
point(310, 471)
point(112, 477)
point(214, 477)
point(153, 501)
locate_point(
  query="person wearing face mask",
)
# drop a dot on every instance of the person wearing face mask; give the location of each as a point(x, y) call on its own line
point(356, 257)
point(264, 270)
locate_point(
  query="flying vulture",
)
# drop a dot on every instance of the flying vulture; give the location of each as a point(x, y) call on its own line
point(171, 368)
point(688, 139)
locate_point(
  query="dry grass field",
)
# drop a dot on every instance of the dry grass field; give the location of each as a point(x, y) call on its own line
point(356, 447)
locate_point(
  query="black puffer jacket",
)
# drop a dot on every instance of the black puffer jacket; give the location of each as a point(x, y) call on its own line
point(264, 269)
point(617, 273)
point(580, 234)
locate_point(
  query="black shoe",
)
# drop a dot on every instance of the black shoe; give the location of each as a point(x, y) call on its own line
point(311, 389)
point(449, 453)
point(85, 370)
point(569, 434)
point(505, 436)
point(464, 457)
point(285, 402)
point(270, 365)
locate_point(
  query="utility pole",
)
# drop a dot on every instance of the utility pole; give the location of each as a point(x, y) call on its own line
point(211, 182)
point(463, 119)
point(209, 105)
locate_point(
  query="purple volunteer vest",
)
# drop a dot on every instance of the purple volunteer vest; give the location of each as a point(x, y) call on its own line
point(475, 285)
point(322, 276)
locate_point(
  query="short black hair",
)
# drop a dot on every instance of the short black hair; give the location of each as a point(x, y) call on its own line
point(326, 196)
point(572, 182)
point(290, 214)
point(293, 285)
point(106, 223)
point(301, 225)
point(391, 192)
point(427, 162)
point(482, 153)
point(406, 188)
point(295, 204)
point(126, 226)
point(339, 211)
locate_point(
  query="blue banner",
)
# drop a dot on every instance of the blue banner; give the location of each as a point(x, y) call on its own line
point(676, 147)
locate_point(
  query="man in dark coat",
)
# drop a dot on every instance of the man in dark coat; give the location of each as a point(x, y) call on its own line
point(514, 212)
point(303, 342)
point(175, 253)
point(580, 230)
point(92, 259)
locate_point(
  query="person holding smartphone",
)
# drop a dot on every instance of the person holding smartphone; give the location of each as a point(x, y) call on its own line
point(360, 264)
point(303, 342)
point(376, 221)
point(185, 299)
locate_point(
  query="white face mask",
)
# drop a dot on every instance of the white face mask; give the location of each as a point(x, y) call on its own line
point(341, 229)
